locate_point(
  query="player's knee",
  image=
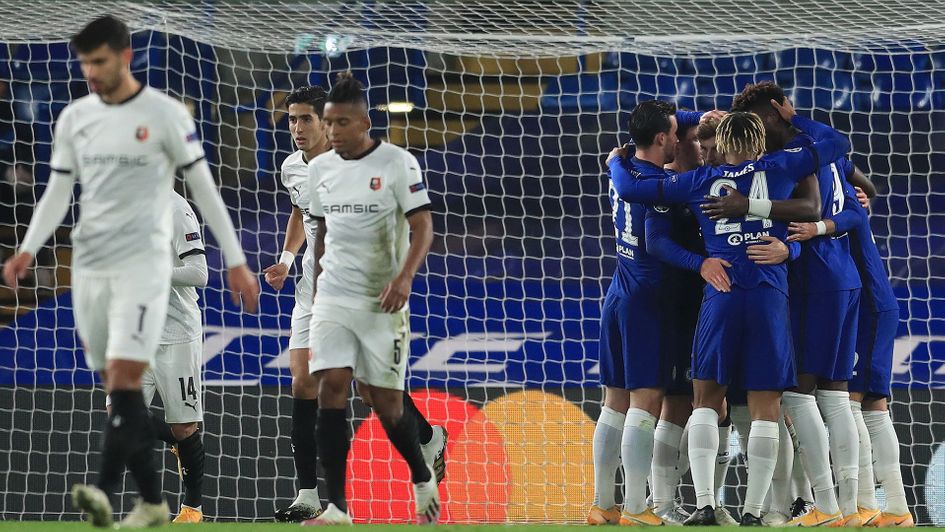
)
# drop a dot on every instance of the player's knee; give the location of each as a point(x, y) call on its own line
point(806, 384)
point(617, 399)
point(333, 389)
point(182, 431)
point(824, 384)
point(304, 387)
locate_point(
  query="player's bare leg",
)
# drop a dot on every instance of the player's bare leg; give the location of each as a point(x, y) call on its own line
point(707, 400)
point(811, 432)
point(331, 435)
point(307, 504)
point(606, 451)
point(401, 429)
point(667, 447)
point(834, 402)
point(885, 454)
point(763, 442)
point(636, 449)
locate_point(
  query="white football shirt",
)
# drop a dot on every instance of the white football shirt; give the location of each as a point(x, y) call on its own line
point(184, 320)
point(365, 203)
point(124, 156)
point(295, 180)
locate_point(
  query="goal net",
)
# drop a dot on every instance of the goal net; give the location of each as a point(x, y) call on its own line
point(510, 108)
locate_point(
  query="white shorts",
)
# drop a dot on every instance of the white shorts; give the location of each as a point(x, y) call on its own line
point(120, 315)
point(375, 345)
point(302, 312)
point(175, 376)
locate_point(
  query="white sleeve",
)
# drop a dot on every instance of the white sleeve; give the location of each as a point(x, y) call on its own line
point(50, 211)
point(181, 142)
point(193, 273)
point(63, 159)
point(187, 237)
point(211, 206)
point(409, 189)
point(315, 203)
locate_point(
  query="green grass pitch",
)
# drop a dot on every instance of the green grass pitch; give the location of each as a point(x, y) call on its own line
point(34, 526)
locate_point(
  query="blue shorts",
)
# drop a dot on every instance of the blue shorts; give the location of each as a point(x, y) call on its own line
point(824, 326)
point(874, 352)
point(742, 340)
point(630, 341)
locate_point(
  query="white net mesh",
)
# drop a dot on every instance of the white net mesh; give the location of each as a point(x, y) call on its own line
point(515, 104)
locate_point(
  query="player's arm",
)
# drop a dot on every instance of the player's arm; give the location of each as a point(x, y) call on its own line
point(411, 194)
point(659, 244)
point(859, 180)
point(294, 238)
point(396, 293)
point(803, 207)
point(673, 189)
point(188, 245)
point(185, 150)
point(829, 144)
point(52, 207)
point(844, 221)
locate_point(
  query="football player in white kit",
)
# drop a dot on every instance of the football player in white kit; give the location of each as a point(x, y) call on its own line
point(305, 106)
point(175, 374)
point(372, 199)
point(123, 144)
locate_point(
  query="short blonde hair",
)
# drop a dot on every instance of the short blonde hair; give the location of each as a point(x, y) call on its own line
point(740, 132)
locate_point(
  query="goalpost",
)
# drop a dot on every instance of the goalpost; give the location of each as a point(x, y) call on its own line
point(511, 108)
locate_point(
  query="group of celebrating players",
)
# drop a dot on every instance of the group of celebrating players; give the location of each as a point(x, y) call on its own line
point(138, 258)
point(758, 202)
point(746, 275)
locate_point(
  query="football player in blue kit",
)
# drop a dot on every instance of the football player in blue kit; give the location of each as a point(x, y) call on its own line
point(870, 385)
point(824, 298)
point(740, 338)
point(634, 370)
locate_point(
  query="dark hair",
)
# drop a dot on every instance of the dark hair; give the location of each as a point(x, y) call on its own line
point(308, 94)
point(103, 30)
point(649, 118)
point(347, 89)
point(757, 97)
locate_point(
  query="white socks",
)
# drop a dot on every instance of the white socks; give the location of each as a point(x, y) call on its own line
point(866, 491)
point(844, 445)
point(722, 460)
point(781, 479)
point(812, 441)
point(703, 448)
point(308, 497)
point(606, 448)
point(762, 459)
point(637, 455)
point(886, 459)
point(666, 441)
point(800, 486)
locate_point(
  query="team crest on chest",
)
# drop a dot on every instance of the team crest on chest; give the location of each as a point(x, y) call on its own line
point(375, 183)
point(141, 133)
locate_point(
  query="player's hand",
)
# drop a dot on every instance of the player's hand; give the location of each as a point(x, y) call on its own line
point(619, 151)
point(862, 198)
point(732, 205)
point(243, 286)
point(15, 268)
point(801, 231)
point(713, 271)
point(715, 114)
point(786, 109)
point(276, 275)
point(395, 294)
point(774, 252)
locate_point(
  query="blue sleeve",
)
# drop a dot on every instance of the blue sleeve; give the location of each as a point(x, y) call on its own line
point(686, 119)
point(794, 251)
point(850, 216)
point(672, 189)
point(829, 144)
point(658, 243)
